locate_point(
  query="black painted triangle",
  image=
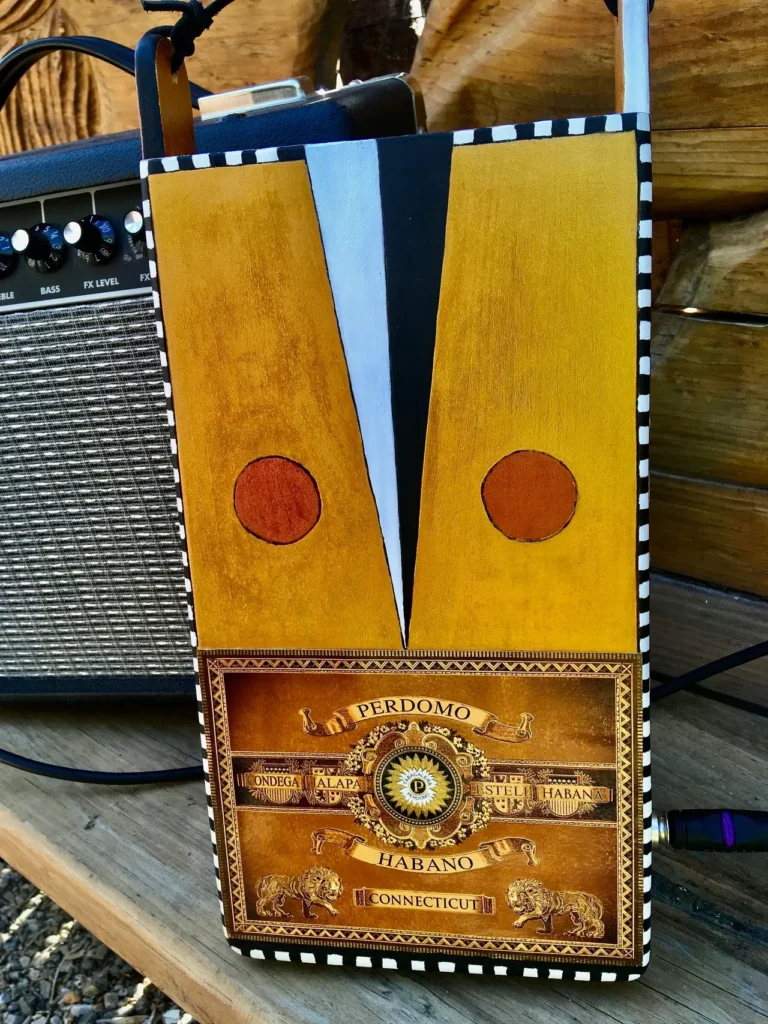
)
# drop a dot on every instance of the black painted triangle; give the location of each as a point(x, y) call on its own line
point(414, 176)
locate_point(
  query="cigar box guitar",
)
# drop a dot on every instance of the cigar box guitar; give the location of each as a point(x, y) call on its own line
point(407, 386)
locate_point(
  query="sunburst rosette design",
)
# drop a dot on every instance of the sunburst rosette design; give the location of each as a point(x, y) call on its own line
point(419, 786)
point(419, 790)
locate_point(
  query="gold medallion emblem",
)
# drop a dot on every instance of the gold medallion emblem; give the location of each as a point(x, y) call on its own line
point(416, 786)
point(419, 792)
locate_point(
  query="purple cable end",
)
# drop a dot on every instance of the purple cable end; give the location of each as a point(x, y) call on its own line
point(729, 836)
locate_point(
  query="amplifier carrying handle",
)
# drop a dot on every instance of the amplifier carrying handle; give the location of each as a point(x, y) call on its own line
point(18, 61)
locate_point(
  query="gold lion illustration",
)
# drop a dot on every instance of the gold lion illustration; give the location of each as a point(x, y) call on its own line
point(534, 902)
point(317, 887)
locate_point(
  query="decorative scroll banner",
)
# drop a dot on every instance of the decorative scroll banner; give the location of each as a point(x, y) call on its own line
point(279, 785)
point(483, 722)
point(563, 796)
point(407, 899)
point(486, 855)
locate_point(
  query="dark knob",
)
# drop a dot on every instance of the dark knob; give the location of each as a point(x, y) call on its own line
point(93, 237)
point(42, 247)
point(8, 257)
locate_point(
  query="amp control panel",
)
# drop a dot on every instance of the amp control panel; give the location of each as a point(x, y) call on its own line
point(73, 247)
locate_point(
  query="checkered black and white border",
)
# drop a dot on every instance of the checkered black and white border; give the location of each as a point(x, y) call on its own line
point(640, 125)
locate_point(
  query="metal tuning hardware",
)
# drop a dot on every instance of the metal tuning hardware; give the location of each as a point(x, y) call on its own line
point(42, 247)
point(8, 256)
point(255, 97)
point(93, 238)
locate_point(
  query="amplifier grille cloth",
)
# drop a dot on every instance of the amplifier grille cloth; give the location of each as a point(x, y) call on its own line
point(90, 573)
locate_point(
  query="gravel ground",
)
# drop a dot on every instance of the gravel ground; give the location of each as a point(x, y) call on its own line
point(52, 971)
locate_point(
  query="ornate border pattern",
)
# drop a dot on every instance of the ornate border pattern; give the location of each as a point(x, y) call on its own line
point(216, 664)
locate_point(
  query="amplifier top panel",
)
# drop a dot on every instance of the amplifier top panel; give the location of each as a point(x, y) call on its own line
point(73, 247)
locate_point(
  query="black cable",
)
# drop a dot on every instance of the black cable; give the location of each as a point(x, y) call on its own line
point(55, 771)
point(15, 64)
point(712, 668)
point(722, 698)
point(720, 830)
point(688, 680)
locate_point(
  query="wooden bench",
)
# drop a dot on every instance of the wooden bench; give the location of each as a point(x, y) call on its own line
point(134, 864)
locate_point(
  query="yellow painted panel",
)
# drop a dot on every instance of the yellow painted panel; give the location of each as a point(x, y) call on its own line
point(257, 369)
point(536, 349)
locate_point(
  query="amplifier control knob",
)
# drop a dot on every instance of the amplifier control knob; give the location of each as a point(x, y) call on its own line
point(93, 237)
point(133, 222)
point(8, 256)
point(42, 247)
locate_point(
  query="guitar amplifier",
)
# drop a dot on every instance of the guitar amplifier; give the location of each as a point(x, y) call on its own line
point(92, 592)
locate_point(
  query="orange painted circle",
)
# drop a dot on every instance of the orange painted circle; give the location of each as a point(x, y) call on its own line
point(529, 496)
point(277, 500)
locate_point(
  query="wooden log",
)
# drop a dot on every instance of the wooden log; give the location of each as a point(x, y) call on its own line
point(719, 172)
point(710, 400)
point(692, 625)
point(665, 238)
point(249, 42)
point(69, 96)
point(710, 531)
point(709, 503)
point(721, 265)
point(59, 99)
point(522, 60)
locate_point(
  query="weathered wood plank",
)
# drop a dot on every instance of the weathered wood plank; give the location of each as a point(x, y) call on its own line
point(710, 531)
point(141, 878)
point(692, 625)
point(714, 173)
point(520, 60)
point(720, 265)
point(710, 400)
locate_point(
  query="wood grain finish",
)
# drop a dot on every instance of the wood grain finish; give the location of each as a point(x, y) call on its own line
point(61, 97)
point(257, 369)
point(70, 96)
point(709, 531)
point(521, 60)
point(710, 400)
point(140, 877)
point(694, 624)
point(720, 265)
point(710, 501)
point(717, 173)
point(665, 237)
point(547, 345)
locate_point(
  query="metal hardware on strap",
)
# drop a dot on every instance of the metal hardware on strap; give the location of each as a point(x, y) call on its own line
point(255, 97)
point(613, 6)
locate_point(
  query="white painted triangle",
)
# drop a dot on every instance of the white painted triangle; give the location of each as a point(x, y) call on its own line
point(345, 184)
